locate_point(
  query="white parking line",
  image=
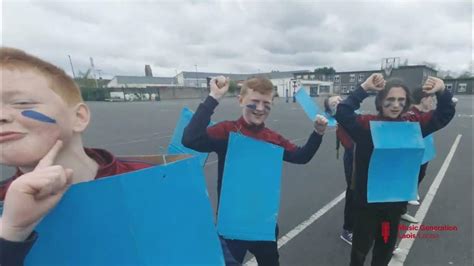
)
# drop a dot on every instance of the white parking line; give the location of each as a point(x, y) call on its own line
point(302, 226)
point(406, 243)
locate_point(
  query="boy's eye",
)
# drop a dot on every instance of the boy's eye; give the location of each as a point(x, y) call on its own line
point(23, 103)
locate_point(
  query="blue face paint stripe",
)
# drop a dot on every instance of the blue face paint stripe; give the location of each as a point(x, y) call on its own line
point(38, 116)
point(254, 107)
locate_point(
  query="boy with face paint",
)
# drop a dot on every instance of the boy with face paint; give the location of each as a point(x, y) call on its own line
point(42, 118)
point(392, 100)
point(330, 106)
point(256, 98)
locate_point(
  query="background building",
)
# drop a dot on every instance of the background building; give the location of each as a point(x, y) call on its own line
point(459, 85)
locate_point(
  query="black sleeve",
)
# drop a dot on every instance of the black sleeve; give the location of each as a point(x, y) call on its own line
point(346, 116)
point(195, 135)
point(305, 153)
point(443, 114)
point(14, 253)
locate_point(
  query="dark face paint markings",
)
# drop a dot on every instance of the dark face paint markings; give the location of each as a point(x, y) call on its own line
point(253, 107)
point(391, 102)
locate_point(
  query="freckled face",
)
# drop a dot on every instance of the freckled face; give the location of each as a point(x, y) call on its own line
point(32, 117)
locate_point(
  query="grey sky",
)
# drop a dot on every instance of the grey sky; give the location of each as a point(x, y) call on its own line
point(239, 36)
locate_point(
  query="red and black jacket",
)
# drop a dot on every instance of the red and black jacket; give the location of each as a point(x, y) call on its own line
point(14, 253)
point(214, 139)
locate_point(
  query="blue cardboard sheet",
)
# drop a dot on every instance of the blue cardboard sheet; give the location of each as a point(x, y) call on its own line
point(175, 146)
point(395, 162)
point(430, 149)
point(155, 216)
point(250, 195)
point(311, 108)
point(331, 120)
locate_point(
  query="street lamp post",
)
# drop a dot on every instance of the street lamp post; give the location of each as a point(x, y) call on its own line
point(197, 80)
point(294, 90)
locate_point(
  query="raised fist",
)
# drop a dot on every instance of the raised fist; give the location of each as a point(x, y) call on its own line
point(375, 82)
point(433, 85)
point(219, 86)
point(320, 124)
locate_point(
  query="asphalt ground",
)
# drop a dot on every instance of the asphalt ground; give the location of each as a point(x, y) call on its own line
point(134, 128)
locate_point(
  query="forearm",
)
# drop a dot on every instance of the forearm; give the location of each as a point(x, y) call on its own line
point(195, 134)
point(443, 114)
point(346, 115)
point(14, 253)
point(305, 153)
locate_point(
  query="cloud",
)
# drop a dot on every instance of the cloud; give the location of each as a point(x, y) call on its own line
point(239, 36)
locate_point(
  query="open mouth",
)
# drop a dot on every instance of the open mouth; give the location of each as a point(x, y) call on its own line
point(258, 115)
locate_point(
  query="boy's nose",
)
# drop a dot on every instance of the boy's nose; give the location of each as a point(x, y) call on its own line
point(5, 116)
point(260, 107)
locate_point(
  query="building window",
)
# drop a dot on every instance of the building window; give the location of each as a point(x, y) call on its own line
point(462, 87)
point(361, 77)
point(352, 78)
point(337, 78)
point(298, 76)
point(313, 76)
point(344, 89)
point(305, 77)
point(449, 87)
point(324, 89)
point(352, 87)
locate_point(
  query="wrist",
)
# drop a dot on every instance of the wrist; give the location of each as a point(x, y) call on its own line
point(213, 95)
point(365, 86)
point(14, 235)
point(319, 132)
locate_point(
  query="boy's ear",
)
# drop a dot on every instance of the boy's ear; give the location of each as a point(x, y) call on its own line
point(82, 117)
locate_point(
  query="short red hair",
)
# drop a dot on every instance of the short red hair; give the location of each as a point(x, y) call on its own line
point(60, 82)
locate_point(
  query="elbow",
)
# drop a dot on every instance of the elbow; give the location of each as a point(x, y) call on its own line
point(306, 160)
point(187, 139)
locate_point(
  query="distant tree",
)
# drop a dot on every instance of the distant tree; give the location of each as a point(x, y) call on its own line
point(233, 86)
point(325, 70)
point(465, 74)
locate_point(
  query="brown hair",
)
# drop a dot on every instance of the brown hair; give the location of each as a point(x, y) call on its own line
point(258, 84)
point(60, 82)
point(392, 83)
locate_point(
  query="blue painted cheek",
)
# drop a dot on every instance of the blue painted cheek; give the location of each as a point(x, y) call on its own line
point(38, 116)
point(252, 106)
